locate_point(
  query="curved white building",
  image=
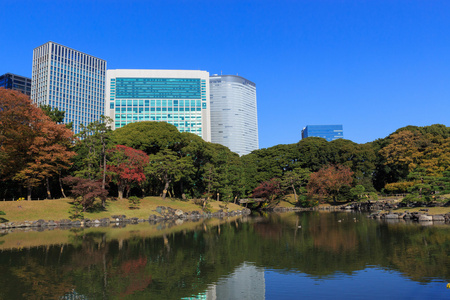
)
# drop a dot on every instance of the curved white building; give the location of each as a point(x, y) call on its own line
point(234, 121)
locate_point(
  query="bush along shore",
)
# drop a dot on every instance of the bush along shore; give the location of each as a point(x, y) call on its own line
point(162, 214)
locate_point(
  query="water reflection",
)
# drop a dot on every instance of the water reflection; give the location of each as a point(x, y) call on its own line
point(246, 282)
point(241, 258)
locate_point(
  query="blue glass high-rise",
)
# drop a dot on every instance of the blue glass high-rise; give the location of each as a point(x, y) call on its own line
point(328, 132)
point(69, 80)
point(16, 82)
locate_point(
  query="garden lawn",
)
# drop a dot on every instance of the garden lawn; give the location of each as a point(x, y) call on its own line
point(17, 211)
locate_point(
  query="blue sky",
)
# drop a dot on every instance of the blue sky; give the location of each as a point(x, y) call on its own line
point(373, 66)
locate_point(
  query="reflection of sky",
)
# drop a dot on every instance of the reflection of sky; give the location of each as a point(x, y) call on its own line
point(371, 283)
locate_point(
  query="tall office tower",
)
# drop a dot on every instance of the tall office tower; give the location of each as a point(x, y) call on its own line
point(328, 132)
point(178, 97)
point(69, 80)
point(234, 119)
point(16, 82)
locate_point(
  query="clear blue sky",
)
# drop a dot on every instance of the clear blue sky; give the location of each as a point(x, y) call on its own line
point(373, 66)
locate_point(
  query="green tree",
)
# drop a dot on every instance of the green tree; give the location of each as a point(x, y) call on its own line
point(358, 192)
point(167, 167)
point(94, 141)
point(150, 137)
point(54, 114)
point(294, 180)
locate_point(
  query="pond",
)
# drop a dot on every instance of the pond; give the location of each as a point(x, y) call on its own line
point(275, 256)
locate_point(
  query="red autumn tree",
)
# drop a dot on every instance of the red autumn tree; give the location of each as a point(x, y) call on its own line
point(126, 167)
point(85, 191)
point(328, 181)
point(269, 190)
point(32, 147)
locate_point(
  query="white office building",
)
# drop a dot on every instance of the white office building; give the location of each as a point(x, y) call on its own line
point(234, 120)
point(69, 80)
point(178, 97)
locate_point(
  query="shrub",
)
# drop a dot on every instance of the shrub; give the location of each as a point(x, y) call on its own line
point(76, 211)
point(134, 202)
point(305, 201)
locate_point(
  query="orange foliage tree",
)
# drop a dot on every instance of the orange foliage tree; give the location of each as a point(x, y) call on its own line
point(32, 147)
point(329, 180)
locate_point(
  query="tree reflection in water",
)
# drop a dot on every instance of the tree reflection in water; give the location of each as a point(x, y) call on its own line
point(102, 264)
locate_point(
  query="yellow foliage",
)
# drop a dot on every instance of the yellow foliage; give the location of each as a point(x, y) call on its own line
point(398, 187)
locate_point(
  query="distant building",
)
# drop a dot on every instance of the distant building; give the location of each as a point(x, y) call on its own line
point(328, 132)
point(69, 80)
point(178, 97)
point(16, 82)
point(234, 120)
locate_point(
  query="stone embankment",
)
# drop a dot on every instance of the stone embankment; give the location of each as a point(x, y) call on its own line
point(412, 216)
point(372, 205)
point(162, 214)
point(316, 208)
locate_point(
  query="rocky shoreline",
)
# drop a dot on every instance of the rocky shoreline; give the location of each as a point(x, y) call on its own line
point(163, 214)
point(411, 216)
point(421, 216)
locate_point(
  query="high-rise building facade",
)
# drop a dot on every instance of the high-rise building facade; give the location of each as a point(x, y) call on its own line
point(234, 119)
point(178, 97)
point(69, 80)
point(16, 82)
point(328, 132)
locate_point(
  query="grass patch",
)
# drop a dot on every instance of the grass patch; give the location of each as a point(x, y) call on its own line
point(17, 211)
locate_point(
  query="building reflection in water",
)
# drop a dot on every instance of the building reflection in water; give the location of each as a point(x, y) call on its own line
point(246, 282)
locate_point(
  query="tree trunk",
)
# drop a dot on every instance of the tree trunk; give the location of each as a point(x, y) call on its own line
point(90, 162)
point(29, 193)
point(121, 188)
point(166, 186)
point(47, 184)
point(61, 186)
point(183, 195)
point(128, 191)
point(104, 164)
point(295, 193)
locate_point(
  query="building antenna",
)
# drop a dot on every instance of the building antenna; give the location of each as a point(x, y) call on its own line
point(220, 72)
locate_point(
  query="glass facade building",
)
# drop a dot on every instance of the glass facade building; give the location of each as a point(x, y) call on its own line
point(178, 97)
point(69, 80)
point(234, 120)
point(16, 82)
point(328, 132)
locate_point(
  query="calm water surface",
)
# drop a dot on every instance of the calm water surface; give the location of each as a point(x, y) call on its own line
point(288, 256)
